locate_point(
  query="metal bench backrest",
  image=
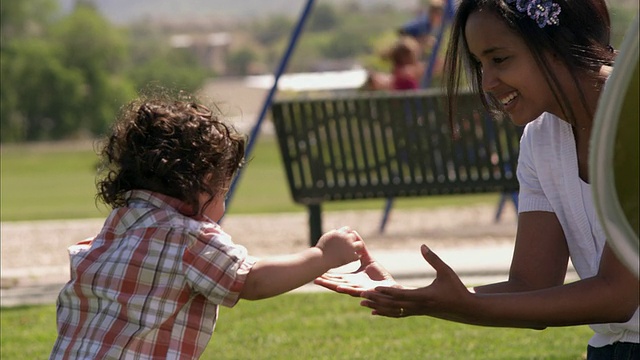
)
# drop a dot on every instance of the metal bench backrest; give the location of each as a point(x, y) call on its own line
point(379, 145)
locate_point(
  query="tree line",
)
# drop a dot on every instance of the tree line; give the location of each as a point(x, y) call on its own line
point(65, 76)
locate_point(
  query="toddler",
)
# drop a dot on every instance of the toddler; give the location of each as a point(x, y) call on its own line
point(148, 286)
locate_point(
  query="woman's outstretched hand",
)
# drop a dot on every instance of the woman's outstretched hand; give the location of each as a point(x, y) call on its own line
point(445, 298)
point(370, 275)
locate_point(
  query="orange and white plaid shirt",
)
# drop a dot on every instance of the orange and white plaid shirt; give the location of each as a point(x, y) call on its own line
point(149, 285)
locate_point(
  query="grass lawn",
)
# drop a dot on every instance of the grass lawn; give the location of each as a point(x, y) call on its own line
point(56, 182)
point(324, 326)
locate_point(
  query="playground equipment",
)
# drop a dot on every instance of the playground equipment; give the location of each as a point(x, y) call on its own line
point(613, 160)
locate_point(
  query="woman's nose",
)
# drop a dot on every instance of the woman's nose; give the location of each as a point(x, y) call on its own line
point(489, 80)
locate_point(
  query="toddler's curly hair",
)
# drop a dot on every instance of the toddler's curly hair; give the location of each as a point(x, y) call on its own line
point(170, 145)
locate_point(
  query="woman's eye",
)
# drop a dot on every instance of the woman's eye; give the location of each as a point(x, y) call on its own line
point(499, 60)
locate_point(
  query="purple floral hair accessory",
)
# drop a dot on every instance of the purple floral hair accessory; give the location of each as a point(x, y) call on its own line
point(543, 12)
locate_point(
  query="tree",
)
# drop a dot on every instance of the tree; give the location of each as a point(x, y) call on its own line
point(324, 17)
point(346, 43)
point(39, 94)
point(175, 69)
point(239, 61)
point(89, 44)
point(62, 80)
point(67, 76)
point(25, 18)
point(273, 30)
point(154, 61)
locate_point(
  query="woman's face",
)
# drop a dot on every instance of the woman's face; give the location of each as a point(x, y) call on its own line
point(509, 72)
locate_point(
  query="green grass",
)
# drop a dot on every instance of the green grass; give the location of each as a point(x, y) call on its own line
point(325, 326)
point(48, 183)
point(54, 182)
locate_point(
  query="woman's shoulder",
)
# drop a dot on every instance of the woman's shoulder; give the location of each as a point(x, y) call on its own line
point(544, 121)
point(545, 125)
point(544, 134)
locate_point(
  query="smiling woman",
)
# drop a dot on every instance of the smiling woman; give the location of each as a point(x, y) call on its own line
point(545, 75)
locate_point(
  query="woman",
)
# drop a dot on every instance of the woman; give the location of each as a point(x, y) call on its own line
point(543, 64)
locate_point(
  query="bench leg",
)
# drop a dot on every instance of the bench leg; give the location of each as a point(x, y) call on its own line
point(385, 215)
point(315, 223)
point(514, 199)
point(513, 195)
point(501, 202)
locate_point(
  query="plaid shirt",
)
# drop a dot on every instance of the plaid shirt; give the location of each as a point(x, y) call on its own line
point(149, 285)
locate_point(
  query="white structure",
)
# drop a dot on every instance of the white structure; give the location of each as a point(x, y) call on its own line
point(328, 80)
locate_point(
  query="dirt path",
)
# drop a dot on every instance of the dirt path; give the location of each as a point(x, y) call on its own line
point(36, 251)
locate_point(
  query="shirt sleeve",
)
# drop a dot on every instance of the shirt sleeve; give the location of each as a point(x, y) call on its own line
point(531, 195)
point(216, 267)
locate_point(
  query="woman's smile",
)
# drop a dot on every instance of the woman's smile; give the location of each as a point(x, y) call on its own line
point(508, 100)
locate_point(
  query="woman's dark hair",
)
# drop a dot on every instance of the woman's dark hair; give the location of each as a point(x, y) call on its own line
point(170, 145)
point(580, 40)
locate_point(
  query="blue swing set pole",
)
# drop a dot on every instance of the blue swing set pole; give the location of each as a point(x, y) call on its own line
point(428, 75)
point(255, 131)
point(425, 83)
point(448, 15)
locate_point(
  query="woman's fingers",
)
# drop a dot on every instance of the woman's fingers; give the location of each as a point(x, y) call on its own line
point(390, 309)
point(434, 260)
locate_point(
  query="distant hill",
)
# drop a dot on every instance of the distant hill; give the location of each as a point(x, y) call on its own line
point(126, 11)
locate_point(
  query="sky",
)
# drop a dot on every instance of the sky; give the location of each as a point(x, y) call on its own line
point(123, 11)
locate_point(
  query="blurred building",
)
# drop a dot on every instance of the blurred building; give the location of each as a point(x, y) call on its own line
point(211, 49)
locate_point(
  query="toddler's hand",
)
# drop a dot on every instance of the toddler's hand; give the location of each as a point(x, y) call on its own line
point(340, 246)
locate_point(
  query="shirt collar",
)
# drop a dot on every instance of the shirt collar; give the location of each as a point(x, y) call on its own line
point(136, 198)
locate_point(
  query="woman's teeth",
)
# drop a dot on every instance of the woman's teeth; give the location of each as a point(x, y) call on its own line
point(507, 99)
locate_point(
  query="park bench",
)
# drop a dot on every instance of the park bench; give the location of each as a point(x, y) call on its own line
point(368, 145)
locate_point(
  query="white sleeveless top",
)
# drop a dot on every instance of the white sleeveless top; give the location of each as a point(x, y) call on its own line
point(549, 181)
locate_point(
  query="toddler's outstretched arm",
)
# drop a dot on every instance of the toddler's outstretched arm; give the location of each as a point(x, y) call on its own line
point(274, 276)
